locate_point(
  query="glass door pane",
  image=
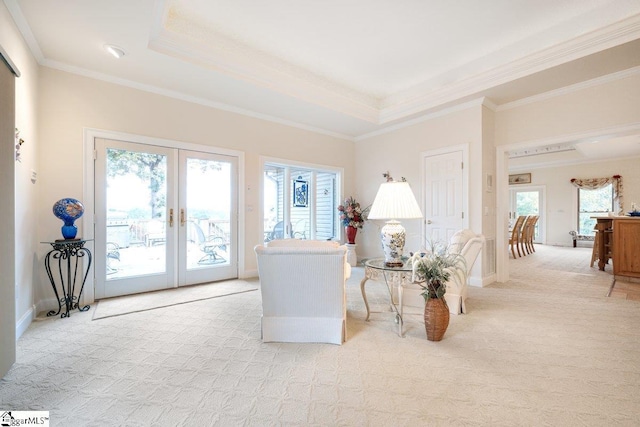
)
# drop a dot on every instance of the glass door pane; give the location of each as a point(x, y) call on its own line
point(164, 217)
point(207, 206)
point(527, 202)
point(132, 222)
point(136, 219)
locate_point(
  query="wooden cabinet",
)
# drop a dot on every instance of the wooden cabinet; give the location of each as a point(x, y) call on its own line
point(626, 248)
point(603, 241)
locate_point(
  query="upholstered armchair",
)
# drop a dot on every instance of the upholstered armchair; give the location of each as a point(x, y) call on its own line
point(467, 244)
point(302, 283)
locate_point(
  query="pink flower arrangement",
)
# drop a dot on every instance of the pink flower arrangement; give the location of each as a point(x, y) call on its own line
point(351, 214)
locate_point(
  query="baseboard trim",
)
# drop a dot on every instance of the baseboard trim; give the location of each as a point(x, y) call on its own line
point(247, 274)
point(25, 321)
point(45, 305)
point(482, 282)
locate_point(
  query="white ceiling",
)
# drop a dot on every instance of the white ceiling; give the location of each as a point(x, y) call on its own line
point(346, 68)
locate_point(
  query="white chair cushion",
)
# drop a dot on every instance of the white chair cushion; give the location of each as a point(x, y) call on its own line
point(458, 240)
point(299, 243)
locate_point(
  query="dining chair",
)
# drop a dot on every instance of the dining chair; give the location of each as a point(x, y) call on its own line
point(516, 234)
point(527, 234)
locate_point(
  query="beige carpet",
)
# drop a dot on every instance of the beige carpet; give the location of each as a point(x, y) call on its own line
point(545, 349)
point(166, 298)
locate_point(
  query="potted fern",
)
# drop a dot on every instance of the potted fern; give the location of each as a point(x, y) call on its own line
point(431, 271)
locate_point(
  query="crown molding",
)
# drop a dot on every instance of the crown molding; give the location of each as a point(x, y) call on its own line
point(407, 102)
point(558, 163)
point(598, 81)
point(188, 98)
point(4, 58)
point(318, 90)
point(489, 104)
point(429, 116)
point(25, 29)
point(608, 132)
point(263, 70)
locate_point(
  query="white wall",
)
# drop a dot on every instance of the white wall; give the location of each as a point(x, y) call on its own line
point(70, 103)
point(26, 241)
point(601, 109)
point(400, 153)
point(592, 109)
point(597, 108)
point(488, 191)
point(561, 213)
point(54, 107)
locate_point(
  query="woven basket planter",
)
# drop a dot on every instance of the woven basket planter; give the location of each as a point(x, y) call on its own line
point(436, 318)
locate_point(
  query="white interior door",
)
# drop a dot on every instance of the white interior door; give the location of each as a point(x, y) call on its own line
point(164, 217)
point(443, 196)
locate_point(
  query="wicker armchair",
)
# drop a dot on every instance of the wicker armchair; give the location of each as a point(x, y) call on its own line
point(302, 283)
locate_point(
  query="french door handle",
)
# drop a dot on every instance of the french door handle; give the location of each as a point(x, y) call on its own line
point(182, 217)
point(170, 217)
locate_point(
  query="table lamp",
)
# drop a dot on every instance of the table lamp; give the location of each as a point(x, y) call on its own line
point(394, 201)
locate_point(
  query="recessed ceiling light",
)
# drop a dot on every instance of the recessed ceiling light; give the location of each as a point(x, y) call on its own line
point(116, 51)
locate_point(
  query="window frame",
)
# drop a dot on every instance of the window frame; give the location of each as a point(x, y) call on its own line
point(611, 208)
point(313, 170)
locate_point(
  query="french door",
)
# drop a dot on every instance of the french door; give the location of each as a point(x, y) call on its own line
point(165, 217)
point(528, 201)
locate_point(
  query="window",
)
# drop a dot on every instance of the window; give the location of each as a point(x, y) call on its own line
point(300, 202)
point(593, 203)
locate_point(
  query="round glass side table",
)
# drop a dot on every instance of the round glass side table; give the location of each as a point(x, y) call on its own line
point(393, 277)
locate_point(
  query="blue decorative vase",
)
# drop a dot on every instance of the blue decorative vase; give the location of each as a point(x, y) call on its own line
point(68, 210)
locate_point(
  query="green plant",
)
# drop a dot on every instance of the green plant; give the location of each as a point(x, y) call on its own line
point(433, 269)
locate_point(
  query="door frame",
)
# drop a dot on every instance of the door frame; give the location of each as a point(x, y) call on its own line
point(542, 208)
point(88, 219)
point(502, 182)
point(465, 181)
point(9, 326)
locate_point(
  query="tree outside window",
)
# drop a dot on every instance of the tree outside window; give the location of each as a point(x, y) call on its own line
point(596, 202)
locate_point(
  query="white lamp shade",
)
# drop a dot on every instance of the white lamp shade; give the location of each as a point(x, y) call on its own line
point(395, 200)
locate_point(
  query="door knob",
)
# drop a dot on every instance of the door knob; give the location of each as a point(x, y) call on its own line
point(170, 217)
point(429, 221)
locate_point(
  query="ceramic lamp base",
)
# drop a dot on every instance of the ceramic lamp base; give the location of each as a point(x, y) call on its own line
point(393, 237)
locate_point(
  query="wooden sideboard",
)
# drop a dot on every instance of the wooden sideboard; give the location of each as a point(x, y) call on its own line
point(625, 253)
